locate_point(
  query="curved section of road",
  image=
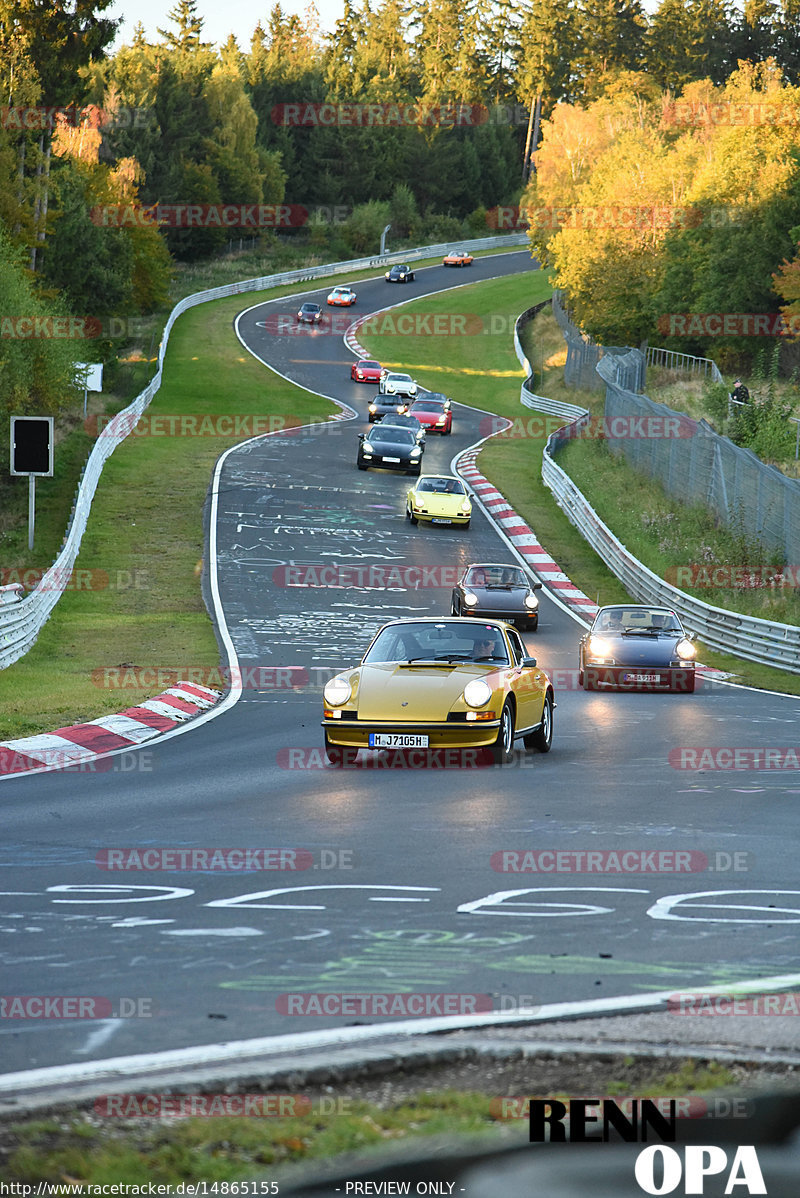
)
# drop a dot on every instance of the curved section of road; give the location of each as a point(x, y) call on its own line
point(377, 880)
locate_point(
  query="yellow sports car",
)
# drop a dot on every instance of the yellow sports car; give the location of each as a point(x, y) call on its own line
point(432, 684)
point(439, 499)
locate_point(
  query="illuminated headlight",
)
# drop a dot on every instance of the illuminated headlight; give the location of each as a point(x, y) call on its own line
point(532, 602)
point(442, 420)
point(401, 407)
point(685, 650)
point(466, 506)
point(366, 449)
point(470, 599)
point(337, 691)
point(598, 647)
point(477, 693)
point(373, 407)
point(416, 452)
point(386, 276)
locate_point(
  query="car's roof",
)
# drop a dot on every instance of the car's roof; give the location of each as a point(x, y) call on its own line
point(458, 620)
point(447, 477)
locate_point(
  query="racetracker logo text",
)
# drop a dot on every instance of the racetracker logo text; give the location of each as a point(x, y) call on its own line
point(728, 324)
point(399, 1006)
point(200, 216)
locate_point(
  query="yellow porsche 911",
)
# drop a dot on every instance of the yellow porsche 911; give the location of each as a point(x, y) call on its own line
point(433, 684)
point(439, 499)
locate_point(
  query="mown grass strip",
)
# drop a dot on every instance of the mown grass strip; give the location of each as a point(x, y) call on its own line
point(94, 1149)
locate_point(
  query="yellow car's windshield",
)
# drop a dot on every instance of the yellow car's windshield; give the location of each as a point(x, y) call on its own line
point(450, 641)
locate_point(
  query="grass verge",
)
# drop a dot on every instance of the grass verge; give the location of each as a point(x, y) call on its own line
point(93, 1148)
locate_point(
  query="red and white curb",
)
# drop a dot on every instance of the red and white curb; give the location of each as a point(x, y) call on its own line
point(523, 538)
point(80, 744)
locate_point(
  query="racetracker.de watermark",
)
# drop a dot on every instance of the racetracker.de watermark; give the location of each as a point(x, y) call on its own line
point(261, 678)
point(617, 428)
point(620, 861)
point(700, 1003)
point(734, 578)
point(200, 216)
point(737, 757)
point(372, 1005)
point(206, 1106)
point(228, 860)
point(56, 579)
point(728, 324)
point(43, 116)
point(74, 1006)
point(13, 761)
point(693, 113)
point(688, 1106)
point(187, 424)
point(634, 217)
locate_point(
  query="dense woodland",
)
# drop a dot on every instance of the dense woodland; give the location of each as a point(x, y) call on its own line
point(177, 121)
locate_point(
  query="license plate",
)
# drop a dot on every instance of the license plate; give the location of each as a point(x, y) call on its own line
point(391, 459)
point(397, 740)
point(642, 678)
point(440, 520)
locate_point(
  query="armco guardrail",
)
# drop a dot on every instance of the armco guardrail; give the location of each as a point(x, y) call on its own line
point(730, 632)
point(21, 620)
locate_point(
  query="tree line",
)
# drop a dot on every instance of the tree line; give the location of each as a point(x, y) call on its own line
point(539, 88)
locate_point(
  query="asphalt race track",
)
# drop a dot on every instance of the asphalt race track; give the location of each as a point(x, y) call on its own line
point(397, 894)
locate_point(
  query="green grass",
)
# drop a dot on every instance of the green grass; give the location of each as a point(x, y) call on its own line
point(98, 1150)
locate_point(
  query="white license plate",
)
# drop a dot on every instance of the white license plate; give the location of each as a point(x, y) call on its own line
point(642, 678)
point(391, 460)
point(440, 520)
point(397, 740)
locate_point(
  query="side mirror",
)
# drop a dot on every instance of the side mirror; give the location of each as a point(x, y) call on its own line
point(537, 586)
point(528, 663)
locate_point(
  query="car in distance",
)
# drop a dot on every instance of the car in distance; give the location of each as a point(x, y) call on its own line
point(637, 647)
point(434, 412)
point(457, 258)
point(390, 448)
point(394, 382)
point(310, 314)
point(497, 591)
point(400, 274)
point(439, 499)
point(342, 297)
point(382, 405)
point(403, 420)
point(365, 370)
point(440, 684)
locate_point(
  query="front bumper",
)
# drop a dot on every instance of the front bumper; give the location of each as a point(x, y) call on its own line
point(443, 520)
point(380, 463)
point(642, 677)
point(355, 733)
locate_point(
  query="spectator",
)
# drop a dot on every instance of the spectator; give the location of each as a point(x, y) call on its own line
point(740, 393)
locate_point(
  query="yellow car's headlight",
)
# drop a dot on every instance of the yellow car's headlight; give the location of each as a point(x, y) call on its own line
point(685, 650)
point(466, 506)
point(337, 691)
point(477, 693)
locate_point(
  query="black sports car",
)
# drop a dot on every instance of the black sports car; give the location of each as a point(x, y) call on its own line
point(400, 274)
point(390, 448)
point(405, 420)
point(500, 591)
point(310, 314)
point(637, 648)
point(382, 405)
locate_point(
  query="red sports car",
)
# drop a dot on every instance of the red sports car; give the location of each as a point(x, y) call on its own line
point(365, 371)
point(434, 413)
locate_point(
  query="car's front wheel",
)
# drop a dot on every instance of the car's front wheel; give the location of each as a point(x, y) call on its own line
point(503, 747)
point(409, 515)
point(542, 738)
